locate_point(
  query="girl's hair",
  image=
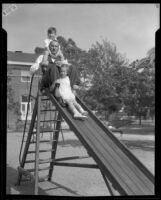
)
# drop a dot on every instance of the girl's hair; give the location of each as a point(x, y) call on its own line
point(65, 66)
point(51, 30)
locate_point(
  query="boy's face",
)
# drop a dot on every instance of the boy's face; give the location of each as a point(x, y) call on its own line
point(52, 36)
point(63, 72)
point(54, 47)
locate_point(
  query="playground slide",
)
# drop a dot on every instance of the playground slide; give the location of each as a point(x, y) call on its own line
point(126, 173)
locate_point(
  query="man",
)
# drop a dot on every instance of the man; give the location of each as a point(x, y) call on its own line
point(52, 72)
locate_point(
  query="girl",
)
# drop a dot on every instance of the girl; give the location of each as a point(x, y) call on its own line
point(65, 92)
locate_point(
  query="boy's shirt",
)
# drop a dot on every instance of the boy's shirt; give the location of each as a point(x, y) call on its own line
point(36, 65)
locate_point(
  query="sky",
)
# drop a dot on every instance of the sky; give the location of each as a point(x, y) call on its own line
point(131, 27)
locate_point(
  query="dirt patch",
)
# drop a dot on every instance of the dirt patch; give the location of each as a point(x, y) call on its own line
point(68, 181)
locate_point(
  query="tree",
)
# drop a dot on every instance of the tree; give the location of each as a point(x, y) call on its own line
point(39, 50)
point(140, 93)
point(151, 55)
point(11, 104)
point(75, 55)
point(105, 66)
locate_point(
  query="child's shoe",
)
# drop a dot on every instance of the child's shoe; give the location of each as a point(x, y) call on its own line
point(84, 113)
point(79, 116)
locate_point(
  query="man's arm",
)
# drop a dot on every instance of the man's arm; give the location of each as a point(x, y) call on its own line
point(54, 85)
point(45, 58)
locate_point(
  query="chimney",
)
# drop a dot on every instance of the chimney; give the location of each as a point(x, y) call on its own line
point(18, 51)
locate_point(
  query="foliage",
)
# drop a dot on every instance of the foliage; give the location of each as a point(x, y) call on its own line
point(11, 104)
point(39, 50)
point(151, 55)
point(10, 99)
point(140, 96)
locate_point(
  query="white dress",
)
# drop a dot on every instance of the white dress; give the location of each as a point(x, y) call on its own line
point(65, 88)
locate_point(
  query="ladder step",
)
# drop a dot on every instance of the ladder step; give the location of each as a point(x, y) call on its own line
point(43, 141)
point(45, 131)
point(43, 178)
point(33, 96)
point(45, 110)
point(40, 169)
point(53, 120)
point(42, 95)
point(65, 129)
point(42, 151)
point(41, 161)
point(45, 99)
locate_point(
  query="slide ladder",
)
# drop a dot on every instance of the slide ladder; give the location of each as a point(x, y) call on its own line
point(44, 129)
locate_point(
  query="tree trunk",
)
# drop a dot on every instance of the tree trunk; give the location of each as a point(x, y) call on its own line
point(139, 119)
point(106, 115)
point(8, 121)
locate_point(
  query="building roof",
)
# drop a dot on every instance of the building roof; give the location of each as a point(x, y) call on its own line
point(19, 56)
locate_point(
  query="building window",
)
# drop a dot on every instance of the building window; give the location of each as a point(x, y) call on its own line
point(24, 103)
point(25, 76)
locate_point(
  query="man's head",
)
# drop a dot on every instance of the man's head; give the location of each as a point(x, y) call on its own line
point(54, 47)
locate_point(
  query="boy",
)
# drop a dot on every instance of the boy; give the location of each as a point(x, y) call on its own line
point(52, 36)
point(65, 92)
point(42, 60)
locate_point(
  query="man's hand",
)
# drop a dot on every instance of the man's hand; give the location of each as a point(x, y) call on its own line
point(52, 87)
point(58, 63)
point(75, 87)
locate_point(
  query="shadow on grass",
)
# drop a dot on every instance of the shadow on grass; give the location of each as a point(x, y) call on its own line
point(65, 188)
point(70, 142)
point(140, 130)
point(145, 145)
point(27, 187)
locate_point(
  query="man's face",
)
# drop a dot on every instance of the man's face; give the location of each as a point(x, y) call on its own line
point(54, 47)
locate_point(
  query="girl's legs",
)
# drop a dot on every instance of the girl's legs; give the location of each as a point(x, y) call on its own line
point(72, 108)
point(79, 108)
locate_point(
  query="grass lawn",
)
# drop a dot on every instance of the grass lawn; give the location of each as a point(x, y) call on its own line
point(146, 128)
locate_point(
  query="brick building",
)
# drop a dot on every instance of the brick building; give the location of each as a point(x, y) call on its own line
point(18, 66)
